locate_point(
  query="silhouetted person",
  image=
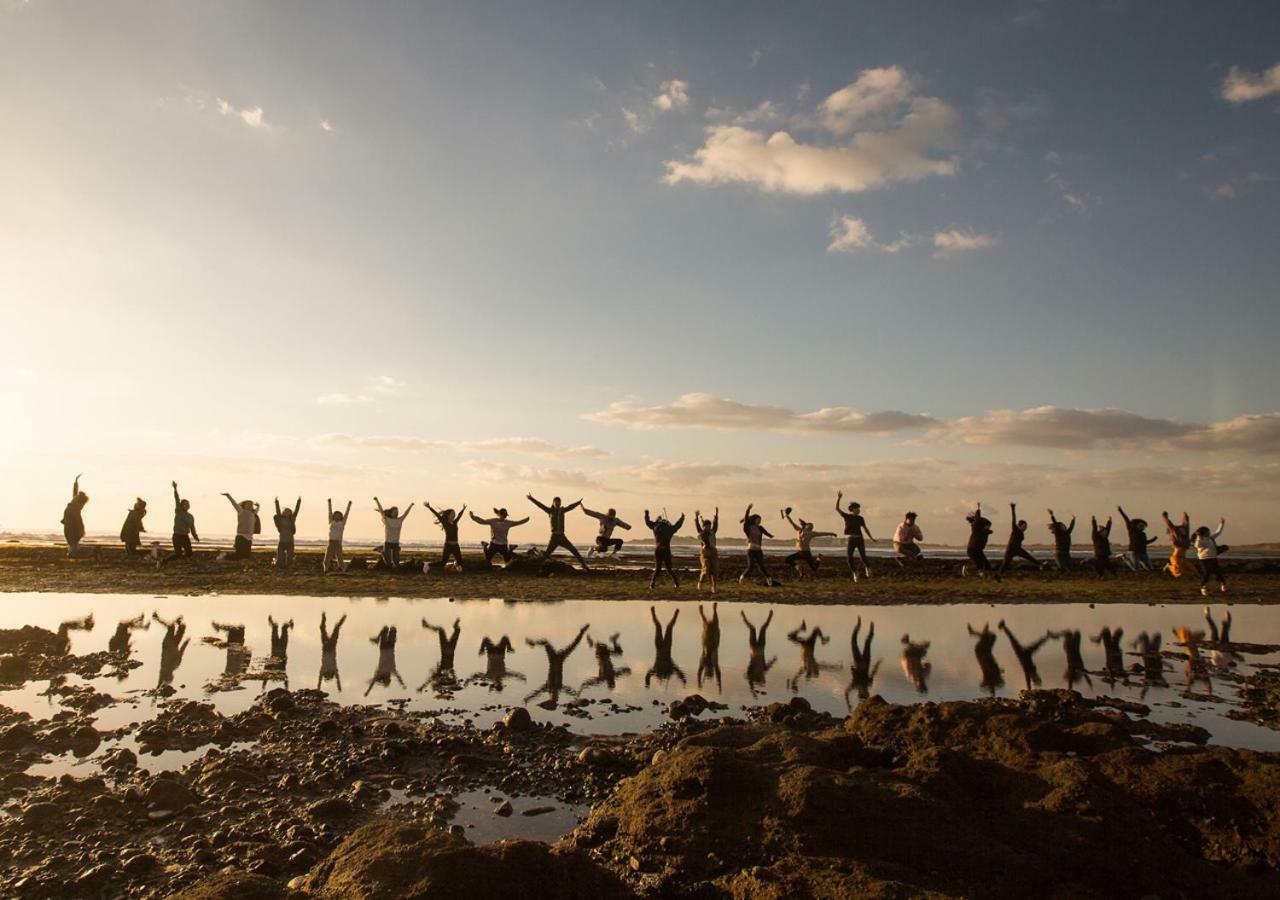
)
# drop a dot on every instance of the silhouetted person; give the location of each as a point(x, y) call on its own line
point(73, 521)
point(173, 647)
point(555, 513)
point(663, 665)
point(862, 673)
point(1014, 549)
point(496, 670)
point(386, 668)
point(497, 544)
point(805, 534)
point(333, 561)
point(1100, 536)
point(1137, 558)
point(757, 668)
point(65, 629)
point(914, 665)
point(708, 554)
point(443, 675)
point(237, 661)
point(247, 525)
point(663, 532)
point(329, 651)
point(132, 529)
point(184, 526)
point(1026, 655)
point(1112, 650)
point(448, 521)
point(392, 524)
point(755, 533)
point(992, 674)
point(854, 528)
point(286, 522)
point(122, 641)
point(1196, 670)
point(810, 668)
point(1061, 541)
point(606, 673)
point(709, 661)
point(979, 533)
point(605, 541)
point(1075, 660)
point(1179, 544)
point(555, 668)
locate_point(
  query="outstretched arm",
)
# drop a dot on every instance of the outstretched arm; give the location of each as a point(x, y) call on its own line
point(621, 524)
point(408, 509)
point(1013, 514)
point(647, 521)
point(1071, 527)
point(765, 531)
point(297, 508)
point(477, 519)
point(747, 515)
point(538, 503)
point(715, 521)
point(679, 522)
point(431, 509)
point(592, 513)
point(347, 515)
point(520, 522)
point(819, 534)
point(232, 499)
point(277, 506)
point(1123, 515)
point(456, 517)
point(787, 516)
point(839, 497)
point(176, 499)
point(574, 505)
point(867, 529)
point(377, 504)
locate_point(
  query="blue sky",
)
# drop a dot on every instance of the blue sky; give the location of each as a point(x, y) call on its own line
point(233, 231)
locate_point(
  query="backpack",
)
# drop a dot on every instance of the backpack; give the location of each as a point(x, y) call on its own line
point(257, 524)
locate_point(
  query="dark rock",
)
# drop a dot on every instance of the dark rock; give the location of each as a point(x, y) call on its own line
point(517, 719)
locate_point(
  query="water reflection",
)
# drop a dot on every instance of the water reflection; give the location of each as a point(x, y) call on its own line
point(122, 641)
point(944, 643)
point(442, 678)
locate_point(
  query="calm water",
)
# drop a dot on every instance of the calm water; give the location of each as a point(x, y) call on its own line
point(363, 672)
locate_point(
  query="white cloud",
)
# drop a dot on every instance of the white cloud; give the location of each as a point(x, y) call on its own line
point(698, 410)
point(635, 121)
point(253, 116)
point(326, 126)
point(948, 244)
point(873, 94)
point(849, 233)
point(525, 477)
point(1058, 185)
point(523, 445)
point(899, 137)
point(376, 387)
point(1241, 86)
point(672, 95)
point(1259, 433)
point(1063, 428)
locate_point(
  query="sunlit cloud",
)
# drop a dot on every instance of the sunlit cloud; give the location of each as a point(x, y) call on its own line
point(1062, 428)
point(698, 410)
point(948, 244)
point(1234, 188)
point(883, 132)
point(326, 126)
point(522, 478)
point(252, 116)
point(403, 443)
point(1241, 86)
point(376, 387)
point(849, 233)
point(672, 95)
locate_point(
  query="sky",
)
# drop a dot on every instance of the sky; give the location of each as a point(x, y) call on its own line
point(666, 256)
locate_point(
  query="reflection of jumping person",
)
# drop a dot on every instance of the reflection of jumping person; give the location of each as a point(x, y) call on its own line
point(555, 512)
point(606, 673)
point(810, 668)
point(708, 556)
point(862, 673)
point(386, 669)
point(496, 670)
point(498, 527)
point(1179, 544)
point(663, 665)
point(392, 523)
point(1026, 655)
point(448, 642)
point(605, 541)
point(757, 668)
point(1075, 660)
point(1112, 650)
point(1137, 557)
point(992, 674)
point(333, 560)
point(555, 667)
point(979, 531)
point(448, 521)
point(805, 534)
point(1061, 542)
point(329, 651)
point(286, 521)
point(1014, 549)
point(854, 527)
point(709, 662)
point(663, 532)
point(756, 533)
point(914, 665)
point(1207, 550)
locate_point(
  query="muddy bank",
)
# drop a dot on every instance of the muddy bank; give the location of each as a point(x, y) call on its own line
point(1050, 795)
point(45, 568)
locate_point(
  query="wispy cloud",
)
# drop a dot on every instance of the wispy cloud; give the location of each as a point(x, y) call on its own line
point(531, 476)
point(376, 387)
point(949, 244)
point(326, 126)
point(882, 132)
point(672, 95)
point(1234, 188)
point(849, 233)
point(252, 116)
point(403, 443)
point(1241, 86)
point(1058, 185)
point(698, 410)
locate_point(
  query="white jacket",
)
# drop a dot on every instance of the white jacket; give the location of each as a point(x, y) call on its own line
point(1207, 545)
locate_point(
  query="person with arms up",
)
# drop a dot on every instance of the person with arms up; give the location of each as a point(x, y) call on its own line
point(1061, 541)
point(1137, 558)
point(663, 532)
point(73, 521)
point(755, 532)
point(1179, 544)
point(333, 561)
point(708, 556)
point(392, 522)
point(132, 529)
point(854, 527)
point(184, 525)
point(286, 521)
point(556, 512)
point(605, 541)
point(805, 534)
point(1014, 549)
point(1207, 552)
point(247, 525)
point(498, 527)
point(448, 521)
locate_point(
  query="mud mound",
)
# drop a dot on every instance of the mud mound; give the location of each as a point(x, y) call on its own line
point(1046, 797)
point(236, 886)
point(393, 860)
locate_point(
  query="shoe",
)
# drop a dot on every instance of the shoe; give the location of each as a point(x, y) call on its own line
point(742, 579)
point(1223, 588)
point(855, 577)
point(867, 574)
point(964, 571)
point(1204, 591)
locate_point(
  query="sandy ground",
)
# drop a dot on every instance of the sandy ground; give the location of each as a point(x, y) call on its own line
point(44, 568)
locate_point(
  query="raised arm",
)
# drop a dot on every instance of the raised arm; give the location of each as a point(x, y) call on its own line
point(1013, 514)
point(1053, 520)
point(234, 504)
point(839, 497)
point(297, 508)
point(1222, 523)
point(1071, 527)
point(477, 519)
point(647, 521)
point(347, 515)
point(621, 524)
point(277, 506)
point(456, 517)
point(431, 509)
point(574, 505)
point(747, 515)
point(715, 521)
point(329, 502)
point(538, 503)
point(697, 519)
point(678, 523)
point(408, 509)
point(75, 488)
point(177, 500)
point(592, 513)
point(1123, 515)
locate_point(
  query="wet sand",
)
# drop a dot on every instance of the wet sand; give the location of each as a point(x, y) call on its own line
point(45, 568)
